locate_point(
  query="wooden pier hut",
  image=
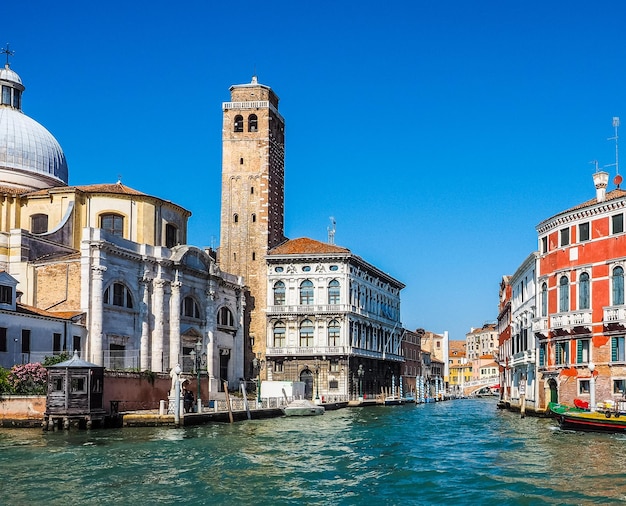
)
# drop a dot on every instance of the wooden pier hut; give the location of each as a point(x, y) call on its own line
point(74, 394)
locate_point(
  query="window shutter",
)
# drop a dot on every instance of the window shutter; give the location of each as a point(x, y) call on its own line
point(614, 349)
point(542, 355)
point(579, 351)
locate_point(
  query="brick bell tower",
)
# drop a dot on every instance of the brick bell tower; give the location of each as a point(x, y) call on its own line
point(253, 197)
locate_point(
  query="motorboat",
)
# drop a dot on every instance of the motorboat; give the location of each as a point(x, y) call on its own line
point(302, 407)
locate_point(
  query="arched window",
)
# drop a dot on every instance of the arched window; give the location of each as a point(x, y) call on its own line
point(253, 218)
point(113, 224)
point(333, 333)
point(238, 123)
point(544, 300)
point(618, 286)
point(235, 218)
point(564, 294)
point(279, 293)
point(118, 295)
point(39, 223)
point(189, 308)
point(279, 335)
point(252, 123)
point(583, 291)
point(306, 333)
point(306, 293)
point(171, 235)
point(333, 292)
point(225, 318)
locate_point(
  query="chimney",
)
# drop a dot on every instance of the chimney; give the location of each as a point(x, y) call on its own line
point(601, 179)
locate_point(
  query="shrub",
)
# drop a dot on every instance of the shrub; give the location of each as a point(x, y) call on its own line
point(56, 359)
point(5, 385)
point(28, 379)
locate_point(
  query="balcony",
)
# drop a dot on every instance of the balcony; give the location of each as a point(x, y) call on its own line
point(308, 309)
point(523, 358)
point(569, 321)
point(540, 325)
point(307, 351)
point(614, 315)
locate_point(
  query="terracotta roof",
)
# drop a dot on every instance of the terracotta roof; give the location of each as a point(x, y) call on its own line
point(304, 245)
point(612, 195)
point(9, 190)
point(31, 310)
point(117, 188)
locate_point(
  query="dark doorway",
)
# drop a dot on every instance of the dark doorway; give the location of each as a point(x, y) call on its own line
point(306, 377)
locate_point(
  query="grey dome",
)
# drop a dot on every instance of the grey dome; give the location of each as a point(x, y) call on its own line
point(30, 157)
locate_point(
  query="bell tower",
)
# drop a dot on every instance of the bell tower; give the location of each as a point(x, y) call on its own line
point(253, 194)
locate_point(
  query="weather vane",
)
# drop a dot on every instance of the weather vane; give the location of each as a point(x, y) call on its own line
point(8, 52)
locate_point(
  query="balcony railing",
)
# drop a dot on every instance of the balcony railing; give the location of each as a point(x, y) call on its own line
point(540, 324)
point(571, 319)
point(327, 309)
point(328, 351)
point(614, 314)
point(523, 358)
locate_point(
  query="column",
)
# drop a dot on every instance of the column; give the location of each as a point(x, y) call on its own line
point(175, 322)
point(157, 335)
point(95, 331)
point(211, 345)
point(144, 315)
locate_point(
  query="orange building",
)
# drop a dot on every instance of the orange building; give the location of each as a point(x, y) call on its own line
point(580, 318)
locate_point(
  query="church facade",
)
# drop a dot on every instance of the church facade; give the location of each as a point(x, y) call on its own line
point(118, 256)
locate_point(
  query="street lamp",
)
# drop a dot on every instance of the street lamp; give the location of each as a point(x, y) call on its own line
point(258, 365)
point(317, 380)
point(361, 373)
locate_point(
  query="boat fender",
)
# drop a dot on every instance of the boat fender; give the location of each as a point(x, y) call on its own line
point(608, 414)
point(617, 415)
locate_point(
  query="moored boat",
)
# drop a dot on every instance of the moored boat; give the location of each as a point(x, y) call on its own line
point(303, 407)
point(580, 419)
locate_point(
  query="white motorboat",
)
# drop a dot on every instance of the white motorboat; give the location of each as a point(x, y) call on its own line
point(303, 407)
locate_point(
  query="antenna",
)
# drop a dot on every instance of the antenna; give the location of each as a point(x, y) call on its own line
point(617, 179)
point(331, 231)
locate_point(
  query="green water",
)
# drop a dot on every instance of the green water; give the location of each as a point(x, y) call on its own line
point(456, 452)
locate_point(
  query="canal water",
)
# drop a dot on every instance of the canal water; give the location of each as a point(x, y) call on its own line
point(456, 452)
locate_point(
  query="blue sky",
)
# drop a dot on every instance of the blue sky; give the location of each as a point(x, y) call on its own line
point(438, 134)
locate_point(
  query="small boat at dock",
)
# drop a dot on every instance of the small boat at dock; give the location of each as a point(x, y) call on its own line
point(575, 418)
point(302, 407)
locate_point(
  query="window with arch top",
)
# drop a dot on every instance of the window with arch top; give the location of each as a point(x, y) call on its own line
point(118, 295)
point(190, 308)
point(583, 291)
point(225, 318)
point(306, 293)
point(279, 335)
point(544, 299)
point(253, 123)
point(618, 286)
point(279, 293)
point(333, 333)
point(563, 294)
point(238, 123)
point(306, 333)
point(333, 292)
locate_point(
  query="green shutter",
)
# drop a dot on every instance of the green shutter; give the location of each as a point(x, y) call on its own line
point(542, 355)
point(614, 349)
point(579, 351)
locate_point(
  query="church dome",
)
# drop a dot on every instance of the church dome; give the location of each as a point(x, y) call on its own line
point(30, 157)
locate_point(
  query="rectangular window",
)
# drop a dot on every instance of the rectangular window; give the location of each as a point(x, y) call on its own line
point(583, 232)
point(333, 384)
point(3, 340)
point(561, 354)
point(334, 366)
point(582, 351)
point(6, 294)
point(171, 236)
point(617, 349)
point(76, 344)
point(56, 344)
point(25, 341)
point(564, 236)
point(279, 366)
point(544, 244)
point(39, 223)
point(617, 222)
point(619, 386)
point(78, 384)
point(583, 386)
point(57, 383)
point(6, 95)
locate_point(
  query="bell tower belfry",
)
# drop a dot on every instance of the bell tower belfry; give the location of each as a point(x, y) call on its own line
point(253, 193)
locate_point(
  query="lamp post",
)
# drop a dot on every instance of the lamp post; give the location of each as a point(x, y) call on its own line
point(258, 365)
point(361, 373)
point(317, 380)
point(592, 387)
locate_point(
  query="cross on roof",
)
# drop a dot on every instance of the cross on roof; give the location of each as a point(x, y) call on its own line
point(8, 52)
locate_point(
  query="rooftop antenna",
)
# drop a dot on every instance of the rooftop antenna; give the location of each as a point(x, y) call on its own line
point(617, 179)
point(8, 52)
point(331, 231)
